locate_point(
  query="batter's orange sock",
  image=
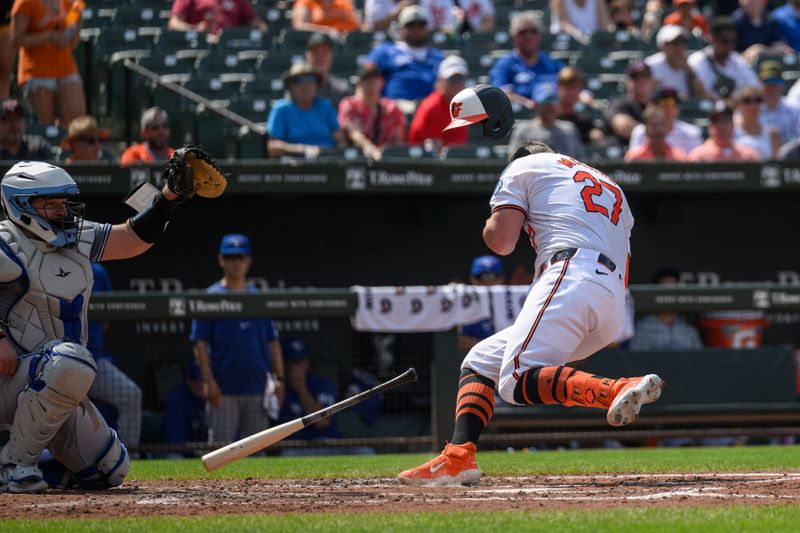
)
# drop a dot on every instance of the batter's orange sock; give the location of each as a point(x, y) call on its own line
point(474, 406)
point(567, 386)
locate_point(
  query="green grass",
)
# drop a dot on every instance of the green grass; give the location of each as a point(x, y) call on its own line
point(745, 458)
point(635, 520)
point(670, 520)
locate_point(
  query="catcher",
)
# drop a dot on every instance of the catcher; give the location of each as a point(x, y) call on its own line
point(46, 249)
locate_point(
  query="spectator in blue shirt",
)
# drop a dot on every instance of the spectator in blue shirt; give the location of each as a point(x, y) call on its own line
point(757, 31)
point(526, 66)
point(788, 18)
point(306, 393)
point(408, 65)
point(486, 270)
point(234, 355)
point(304, 124)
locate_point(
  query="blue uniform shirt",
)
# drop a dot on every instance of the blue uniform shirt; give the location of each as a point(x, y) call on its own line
point(324, 392)
point(289, 123)
point(479, 330)
point(789, 22)
point(239, 349)
point(406, 77)
point(102, 283)
point(513, 73)
point(748, 34)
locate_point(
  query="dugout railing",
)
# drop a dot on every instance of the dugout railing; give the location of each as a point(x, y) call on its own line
point(757, 397)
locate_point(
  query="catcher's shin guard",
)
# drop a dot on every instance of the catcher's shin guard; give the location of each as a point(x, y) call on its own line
point(59, 378)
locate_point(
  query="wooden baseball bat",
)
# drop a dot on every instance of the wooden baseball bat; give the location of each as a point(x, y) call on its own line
point(250, 445)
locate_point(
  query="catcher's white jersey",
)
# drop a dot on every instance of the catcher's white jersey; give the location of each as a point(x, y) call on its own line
point(567, 204)
point(577, 219)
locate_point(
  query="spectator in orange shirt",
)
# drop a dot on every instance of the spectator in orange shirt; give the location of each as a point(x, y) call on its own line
point(433, 113)
point(330, 16)
point(369, 121)
point(83, 141)
point(687, 16)
point(720, 145)
point(155, 134)
point(6, 52)
point(46, 32)
point(656, 147)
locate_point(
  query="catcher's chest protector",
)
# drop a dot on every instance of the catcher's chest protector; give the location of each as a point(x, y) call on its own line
point(43, 289)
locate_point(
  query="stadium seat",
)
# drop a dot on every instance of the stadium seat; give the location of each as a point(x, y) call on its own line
point(598, 153)
point(213, 87)
point(293, 42)
point(135, 16)
point(361, 42)
point(220, 63)
point(251, 107)
point(233, 39)
point(406, 152)
point(170, 41)
point(168, 64)
point(469, 151)
point(110, 41)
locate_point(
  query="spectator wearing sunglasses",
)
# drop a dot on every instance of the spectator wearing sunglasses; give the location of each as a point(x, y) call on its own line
point(84, 141)
point(303, 124)
point(669, 66)
point(408, 64)
point(154, 147)
point(433, 113)
point(718, 66)
point(526, 66)
point(749, 130)
point(720, 145)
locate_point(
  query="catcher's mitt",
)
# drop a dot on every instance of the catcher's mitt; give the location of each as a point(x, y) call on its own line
point(190, 170)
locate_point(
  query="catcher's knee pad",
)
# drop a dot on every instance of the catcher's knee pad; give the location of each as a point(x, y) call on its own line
point(110, 467)
point(58, 378)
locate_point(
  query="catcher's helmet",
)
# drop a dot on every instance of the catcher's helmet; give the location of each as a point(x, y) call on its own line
point(31, 179)
point(482, 103)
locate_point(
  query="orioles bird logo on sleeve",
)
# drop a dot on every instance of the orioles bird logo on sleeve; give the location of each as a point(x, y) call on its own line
point(455, 109)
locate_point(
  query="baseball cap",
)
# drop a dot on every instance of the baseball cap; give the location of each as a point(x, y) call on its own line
point(544, 92)
point(665, 93)
point(82, 126)
point(637, 69)
point(411, 14)
point(451, 66)
point(235, 244)
point(771, 72)
point(669, 33)
point(720, 108)
point(485, 263)
point(11, 105)
point(368, 70)
point(317, 39)
point(294, 349)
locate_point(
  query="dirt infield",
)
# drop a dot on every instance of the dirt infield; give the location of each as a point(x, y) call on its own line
point(385, 495)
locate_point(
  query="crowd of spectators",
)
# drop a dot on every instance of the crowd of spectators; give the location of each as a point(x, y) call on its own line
point(690, 55)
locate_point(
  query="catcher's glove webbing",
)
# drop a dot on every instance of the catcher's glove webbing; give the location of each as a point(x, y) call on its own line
point(191, 171)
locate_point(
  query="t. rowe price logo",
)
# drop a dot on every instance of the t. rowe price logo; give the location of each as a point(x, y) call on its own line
point(455, 109)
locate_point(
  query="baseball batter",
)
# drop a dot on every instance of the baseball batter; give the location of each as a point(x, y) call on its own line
point(579, 224)
point(46, 249)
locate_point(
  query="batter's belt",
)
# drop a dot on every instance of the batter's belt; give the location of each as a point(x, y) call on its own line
point(568, 253)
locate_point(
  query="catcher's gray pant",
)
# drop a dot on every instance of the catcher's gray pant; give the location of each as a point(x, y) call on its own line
point(84, 443)
point(236, 416)
point(112, 386)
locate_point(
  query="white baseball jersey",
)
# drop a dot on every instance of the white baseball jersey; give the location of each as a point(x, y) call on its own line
point(567, 204)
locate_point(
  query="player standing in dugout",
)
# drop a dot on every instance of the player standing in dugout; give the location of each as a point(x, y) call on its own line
point(579, 224)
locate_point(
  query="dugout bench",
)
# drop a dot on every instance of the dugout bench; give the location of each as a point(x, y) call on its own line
point(709, 393)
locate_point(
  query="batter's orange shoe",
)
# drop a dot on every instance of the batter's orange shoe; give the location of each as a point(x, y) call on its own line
point(455, 466)
point(634, 393)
